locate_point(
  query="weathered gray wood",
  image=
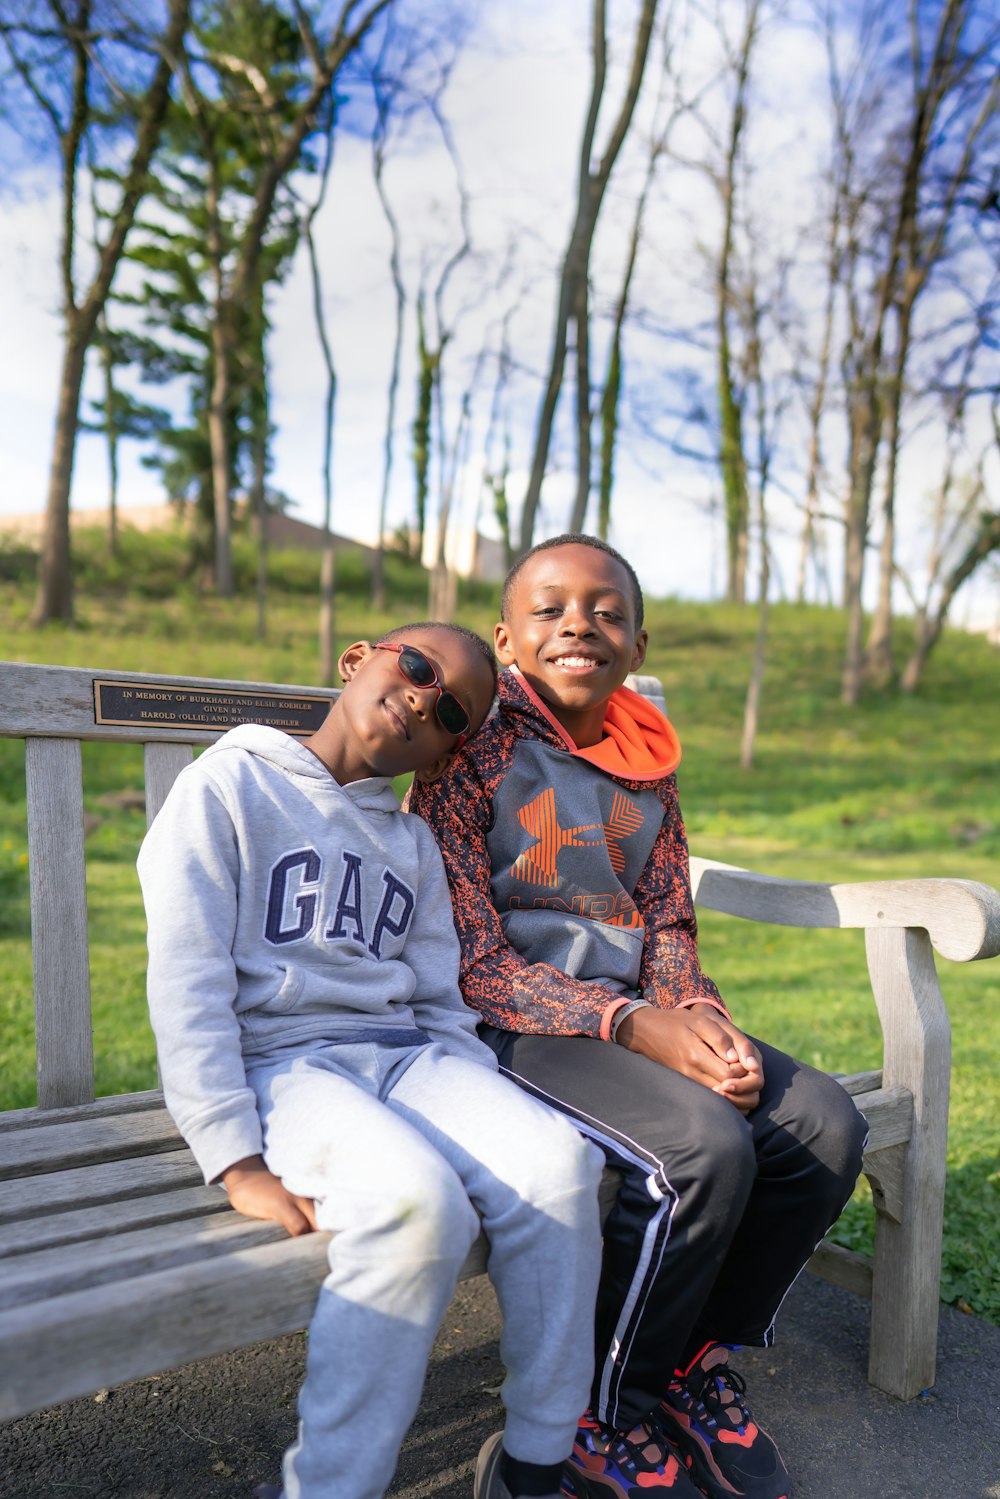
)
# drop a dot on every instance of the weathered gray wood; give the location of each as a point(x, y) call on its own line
point(119, 1215)
point(75, 1344)
point(907, 1269)
point(28, 1152)
point(843, 1267)
point(164, 763)
point(58, 702)
point(889, 1112)
point(115, 1103)
point(115, 1329)
point(859, 1082)
point(961, 917)
point(30, 1197)
point(886, 1173)
point(63, 1046)
point(52, 1272)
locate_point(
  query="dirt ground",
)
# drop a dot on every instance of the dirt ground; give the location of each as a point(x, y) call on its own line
point(215, 1429)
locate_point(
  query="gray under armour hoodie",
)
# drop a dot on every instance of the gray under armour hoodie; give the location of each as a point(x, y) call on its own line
point(283, 911)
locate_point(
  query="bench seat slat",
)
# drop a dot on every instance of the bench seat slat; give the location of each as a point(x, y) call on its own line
point(29, 1152)
point(114, 1103)
point(53, 1272)
point(36, 1196)
point(86, 1340)
point(76, 1225)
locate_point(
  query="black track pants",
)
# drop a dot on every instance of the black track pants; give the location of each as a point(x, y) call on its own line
point(717, 1213)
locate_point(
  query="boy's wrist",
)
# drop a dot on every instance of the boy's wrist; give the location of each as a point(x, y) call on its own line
point(622, 1014)
point(248, 1166)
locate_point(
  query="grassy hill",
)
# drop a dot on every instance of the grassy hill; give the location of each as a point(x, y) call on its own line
point(897, 787)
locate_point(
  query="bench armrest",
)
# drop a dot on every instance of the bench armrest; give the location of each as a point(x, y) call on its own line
point(961, 917)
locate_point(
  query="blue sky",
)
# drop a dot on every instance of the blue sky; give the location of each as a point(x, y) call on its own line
point(516, 102)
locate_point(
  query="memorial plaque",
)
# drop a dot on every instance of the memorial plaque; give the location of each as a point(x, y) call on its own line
point(158, 704)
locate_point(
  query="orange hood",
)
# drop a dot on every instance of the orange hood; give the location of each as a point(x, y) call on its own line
point(639, 744)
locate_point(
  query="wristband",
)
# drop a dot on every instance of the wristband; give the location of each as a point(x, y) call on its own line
point(629, 1009)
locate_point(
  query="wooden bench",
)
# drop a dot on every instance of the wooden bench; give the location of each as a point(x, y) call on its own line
point(118, 1262)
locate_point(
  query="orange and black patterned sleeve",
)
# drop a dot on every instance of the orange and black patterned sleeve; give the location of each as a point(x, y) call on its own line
point(507, 990)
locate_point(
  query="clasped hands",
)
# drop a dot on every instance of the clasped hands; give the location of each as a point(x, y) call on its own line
point(701, 1043)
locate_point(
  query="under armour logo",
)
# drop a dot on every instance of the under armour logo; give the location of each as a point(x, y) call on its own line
point(537, 865)
point(625, 820)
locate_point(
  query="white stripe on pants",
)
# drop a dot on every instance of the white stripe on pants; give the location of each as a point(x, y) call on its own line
point(397, 1146)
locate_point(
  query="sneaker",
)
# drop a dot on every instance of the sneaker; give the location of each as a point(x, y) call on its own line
point(705, 1416)
point(605, 1462)
point(488, 1483)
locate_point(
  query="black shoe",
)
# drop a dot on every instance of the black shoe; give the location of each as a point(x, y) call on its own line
point(640, 1464)
point(706, 1417)
point(488, 1482)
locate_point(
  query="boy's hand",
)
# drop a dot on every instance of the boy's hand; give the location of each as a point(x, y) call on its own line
point(258, 1193)
point(703, 1045)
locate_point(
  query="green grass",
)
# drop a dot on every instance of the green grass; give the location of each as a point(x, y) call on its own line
point(898, 787)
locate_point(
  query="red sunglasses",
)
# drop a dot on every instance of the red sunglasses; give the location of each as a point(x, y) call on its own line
point(420, 672)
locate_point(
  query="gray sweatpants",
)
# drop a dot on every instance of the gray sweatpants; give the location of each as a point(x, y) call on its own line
point(405, 1150)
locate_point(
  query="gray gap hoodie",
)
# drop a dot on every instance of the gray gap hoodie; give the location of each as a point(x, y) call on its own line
point(284, 911)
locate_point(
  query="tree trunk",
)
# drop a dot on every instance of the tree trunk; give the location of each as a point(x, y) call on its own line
point(54, 598)
point(810, 544)
point(613, 379)
point(751, 707)
point(734, 478)
point(879, 664)
point(590, 194)
point(581, 318)
point(878, 661)
point(388, 442)
point(110, 434)
point(260, 510)
point(546, 415)
point(732, 460)
point(327, 621)
point(218, 436)
point(327, 617)
point(986, 541)
point(866, 427)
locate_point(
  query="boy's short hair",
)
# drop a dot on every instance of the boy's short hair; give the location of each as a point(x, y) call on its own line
point(485, 650)
point(575, 538)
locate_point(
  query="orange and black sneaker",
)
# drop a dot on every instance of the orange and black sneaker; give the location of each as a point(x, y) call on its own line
point(607, 1464)
point(704, 1415)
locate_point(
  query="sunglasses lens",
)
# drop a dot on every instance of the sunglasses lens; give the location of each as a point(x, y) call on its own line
point(416, 668)
point(451, 715)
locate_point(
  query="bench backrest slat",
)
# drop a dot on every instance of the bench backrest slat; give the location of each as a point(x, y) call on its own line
point(58, 884)
point(163, 764)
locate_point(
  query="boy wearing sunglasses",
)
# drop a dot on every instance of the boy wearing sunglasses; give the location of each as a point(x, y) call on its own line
point(568, 867)
point(318, 1058)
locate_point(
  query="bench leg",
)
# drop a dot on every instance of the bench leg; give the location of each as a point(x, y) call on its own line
point(907, 1269)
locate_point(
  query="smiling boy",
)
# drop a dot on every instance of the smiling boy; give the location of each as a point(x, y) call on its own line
point(567, 860)
point(317, 1057)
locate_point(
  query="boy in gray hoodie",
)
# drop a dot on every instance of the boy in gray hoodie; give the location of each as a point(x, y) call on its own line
point(318, 1059)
